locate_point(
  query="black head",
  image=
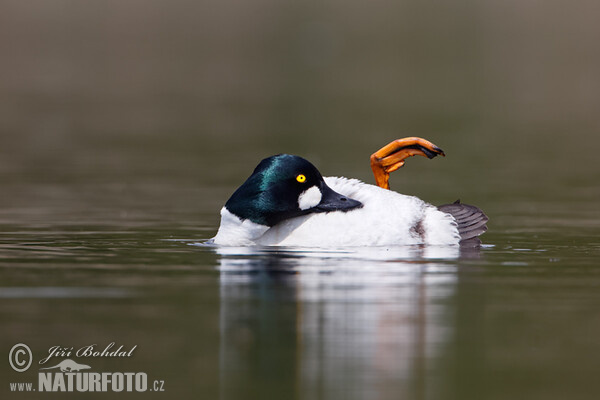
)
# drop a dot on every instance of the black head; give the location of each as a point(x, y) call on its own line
point(283, 187)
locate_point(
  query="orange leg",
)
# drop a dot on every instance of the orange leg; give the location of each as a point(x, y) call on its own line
point(391, 157)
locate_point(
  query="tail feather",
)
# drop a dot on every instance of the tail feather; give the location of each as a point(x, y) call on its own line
point(471, 222)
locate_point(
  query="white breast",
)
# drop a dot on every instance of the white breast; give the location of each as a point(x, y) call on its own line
point(236, 232)
point(386, 218)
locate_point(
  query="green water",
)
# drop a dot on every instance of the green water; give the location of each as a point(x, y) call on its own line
point(124, 129)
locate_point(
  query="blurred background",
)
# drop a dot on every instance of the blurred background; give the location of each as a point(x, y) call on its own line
point(132, 88)
point(127, 123)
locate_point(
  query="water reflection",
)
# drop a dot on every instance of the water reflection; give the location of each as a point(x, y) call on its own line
point(367, 323)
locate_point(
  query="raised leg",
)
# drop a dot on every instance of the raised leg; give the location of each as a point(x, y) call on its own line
point(391, 157)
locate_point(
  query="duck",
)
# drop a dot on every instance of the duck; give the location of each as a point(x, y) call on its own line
point(287, 202)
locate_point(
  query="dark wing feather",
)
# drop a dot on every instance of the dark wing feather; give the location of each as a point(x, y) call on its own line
point(470, 219)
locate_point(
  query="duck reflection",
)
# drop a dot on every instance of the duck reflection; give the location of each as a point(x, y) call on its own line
point(315, 324)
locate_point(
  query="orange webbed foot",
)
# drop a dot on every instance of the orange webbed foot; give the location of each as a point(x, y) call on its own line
point(391, 156)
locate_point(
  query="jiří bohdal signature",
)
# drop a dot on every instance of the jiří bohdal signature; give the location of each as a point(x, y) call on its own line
point(91, 351)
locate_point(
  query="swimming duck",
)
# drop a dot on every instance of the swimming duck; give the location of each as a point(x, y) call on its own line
point(287, 202)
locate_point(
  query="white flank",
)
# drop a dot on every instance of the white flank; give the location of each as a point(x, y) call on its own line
point(387, 218)
point(309, 198)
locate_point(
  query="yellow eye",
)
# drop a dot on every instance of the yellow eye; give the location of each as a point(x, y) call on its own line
point(301, 178)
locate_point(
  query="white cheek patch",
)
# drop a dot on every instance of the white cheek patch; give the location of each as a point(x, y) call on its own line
point(309, 198)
